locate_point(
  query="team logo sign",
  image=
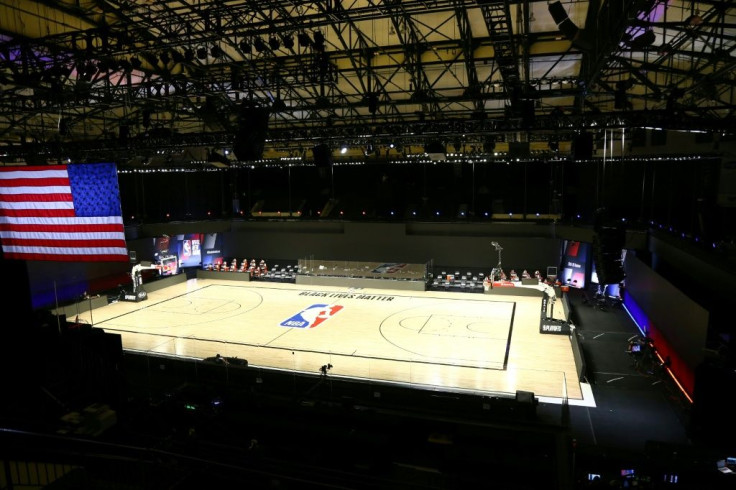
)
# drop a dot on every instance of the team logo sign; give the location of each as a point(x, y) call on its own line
point(312, 316)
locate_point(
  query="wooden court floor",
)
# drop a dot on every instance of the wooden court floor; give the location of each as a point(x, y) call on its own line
point(452, 341)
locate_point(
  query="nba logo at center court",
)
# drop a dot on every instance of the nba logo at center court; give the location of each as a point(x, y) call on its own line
point(312, 316)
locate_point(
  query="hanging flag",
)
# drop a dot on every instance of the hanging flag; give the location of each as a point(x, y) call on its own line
point(62, 213)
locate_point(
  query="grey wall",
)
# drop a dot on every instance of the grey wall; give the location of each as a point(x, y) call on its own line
point(524, 246)
point(683, 322)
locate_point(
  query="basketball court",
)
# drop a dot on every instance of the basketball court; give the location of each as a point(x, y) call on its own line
point(451, 341)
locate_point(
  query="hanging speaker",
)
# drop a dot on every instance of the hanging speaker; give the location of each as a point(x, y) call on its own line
point(519, 149)
point(250, 138)
point(568, 28)
point(564, 24)
point(322, 155)
point(582, 147)
point(558, 12)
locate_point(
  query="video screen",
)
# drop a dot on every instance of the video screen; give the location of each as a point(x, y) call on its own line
point(189, 249)
point(575, 263)
point(179, 251)
point(164, 254)
point(212, 250)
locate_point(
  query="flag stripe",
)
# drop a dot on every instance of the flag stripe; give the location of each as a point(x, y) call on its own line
point(29, 197)
point(61, 212)
point(35, 185)
point(30, 213)
point(114, 256)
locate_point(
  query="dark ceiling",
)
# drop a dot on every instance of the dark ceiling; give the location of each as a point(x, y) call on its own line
point(125, 80)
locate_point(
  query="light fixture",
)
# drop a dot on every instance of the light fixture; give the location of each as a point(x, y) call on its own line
point(259, 45)
point(274, 42)
point(304, 40)
point(693, 21)
point(647, 38)
point(202, 53)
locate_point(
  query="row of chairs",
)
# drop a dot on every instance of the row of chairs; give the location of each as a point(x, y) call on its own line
point(253, 267)
point(257, 269)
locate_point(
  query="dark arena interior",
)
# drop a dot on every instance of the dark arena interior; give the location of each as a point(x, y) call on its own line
point(367, 244)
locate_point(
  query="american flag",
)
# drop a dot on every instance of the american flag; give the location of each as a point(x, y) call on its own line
point(62, 213)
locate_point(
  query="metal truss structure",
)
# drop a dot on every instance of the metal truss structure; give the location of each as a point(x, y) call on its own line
point(128, 79)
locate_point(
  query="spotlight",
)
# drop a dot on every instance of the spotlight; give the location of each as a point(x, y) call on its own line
point(288, 42)
point(202, 53)
point(693, 21)
point(215, 51)
point(274, 43)
point(245, 47)
point(304, 40)
point(177, 56)
point(259, 45)
point(344, 149)
point(643, 40)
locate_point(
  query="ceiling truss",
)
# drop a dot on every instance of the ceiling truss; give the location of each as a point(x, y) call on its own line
point(109, 78)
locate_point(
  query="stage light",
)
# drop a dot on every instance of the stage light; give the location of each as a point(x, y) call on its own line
point(304, 40)
point(202, 53)
point(215, 51)
point(259, 45)
point(273, 41)
point(288, 42)
point(693, 21)
point(344, 149)
point(245, 47)
point(643, 40)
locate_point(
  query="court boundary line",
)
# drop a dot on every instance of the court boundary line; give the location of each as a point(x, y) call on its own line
point(305, 351)
point(501, 367)
point(508, 340)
